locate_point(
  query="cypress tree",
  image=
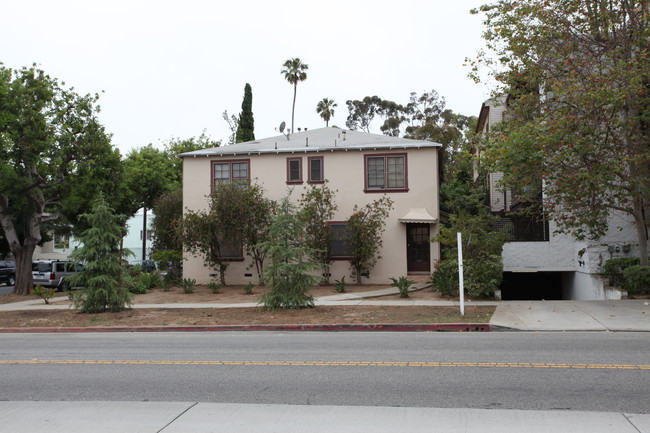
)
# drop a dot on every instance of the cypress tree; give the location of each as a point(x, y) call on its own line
point(246, 127)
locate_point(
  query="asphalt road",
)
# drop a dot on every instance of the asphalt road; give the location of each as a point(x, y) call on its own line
point(4, 290)
point(539, 371)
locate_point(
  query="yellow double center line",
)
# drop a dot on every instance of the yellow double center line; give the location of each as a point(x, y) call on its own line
point(338, 364)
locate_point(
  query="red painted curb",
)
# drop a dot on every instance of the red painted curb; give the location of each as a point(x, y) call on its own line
point(386, 327)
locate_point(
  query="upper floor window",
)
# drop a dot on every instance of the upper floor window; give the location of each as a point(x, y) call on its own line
point(315, 164)
point(230, 171)
point(294, 170)
point(386, 173)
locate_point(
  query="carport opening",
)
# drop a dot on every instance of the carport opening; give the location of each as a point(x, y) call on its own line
point(531, 286)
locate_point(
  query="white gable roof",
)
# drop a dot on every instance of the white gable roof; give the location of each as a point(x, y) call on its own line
point(317, 140)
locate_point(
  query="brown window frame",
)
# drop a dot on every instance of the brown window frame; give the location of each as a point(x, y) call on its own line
point(294, 182)
point(385, 157)
point(239, 258)
point(230, 162)
point(322, 169)
point(333, 256)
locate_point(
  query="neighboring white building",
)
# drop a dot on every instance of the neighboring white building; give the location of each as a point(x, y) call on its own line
point(539, 263)
point(360, 167)
point(60, 247)
point(133, 239)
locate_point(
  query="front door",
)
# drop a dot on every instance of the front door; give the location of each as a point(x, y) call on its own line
point(418, 248)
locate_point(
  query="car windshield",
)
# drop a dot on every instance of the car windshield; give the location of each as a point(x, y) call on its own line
point(41, 267)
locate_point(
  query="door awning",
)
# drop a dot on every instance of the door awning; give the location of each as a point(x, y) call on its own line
point(418, 215)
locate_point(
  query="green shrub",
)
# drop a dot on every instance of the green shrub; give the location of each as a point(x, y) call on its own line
point(340, 285)
point(445, 277)
point(165, 284)
point(249, 288)
point(403, 284)
point(188, 285)
point(46, 293)
point(614, 268)
point(214, 287)
point(149, 279)
point(137, 288)
point(636, 279)
point(484, 276)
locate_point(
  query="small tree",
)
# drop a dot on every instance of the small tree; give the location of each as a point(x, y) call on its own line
point(465, 200)
point(243, 213)
point(364, 235)
point(167, 224)
point(100, 255)
point(203, 234)
point(288, 273)
point(318, 208)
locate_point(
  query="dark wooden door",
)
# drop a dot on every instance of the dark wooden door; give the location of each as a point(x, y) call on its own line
point(418, 248)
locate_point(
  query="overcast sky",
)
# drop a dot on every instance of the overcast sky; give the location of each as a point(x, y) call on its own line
point(170, 68)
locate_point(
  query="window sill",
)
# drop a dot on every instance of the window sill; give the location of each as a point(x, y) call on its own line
point(315, 182)
point(295, 182)
point(384, 191)
point(233, 259)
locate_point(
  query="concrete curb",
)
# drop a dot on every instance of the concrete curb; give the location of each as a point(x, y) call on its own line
point(384, 327)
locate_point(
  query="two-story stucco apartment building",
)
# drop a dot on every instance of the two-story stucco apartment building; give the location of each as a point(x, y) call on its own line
point(359, 166)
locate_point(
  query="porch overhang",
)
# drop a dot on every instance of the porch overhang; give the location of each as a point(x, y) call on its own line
point(418, 216)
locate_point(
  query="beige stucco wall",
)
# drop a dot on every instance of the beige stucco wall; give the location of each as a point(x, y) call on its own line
point(345, 172)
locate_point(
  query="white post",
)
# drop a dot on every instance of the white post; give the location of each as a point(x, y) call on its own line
point(461, 289)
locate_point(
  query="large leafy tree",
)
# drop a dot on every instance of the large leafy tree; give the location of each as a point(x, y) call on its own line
point(326, 109)
point(294, 71)
point(246, 123)
point(424, 117)
point(578, 76)
point(52, 155)
point(150, 173)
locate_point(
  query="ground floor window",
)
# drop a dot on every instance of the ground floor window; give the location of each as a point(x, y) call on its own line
point(340, 248)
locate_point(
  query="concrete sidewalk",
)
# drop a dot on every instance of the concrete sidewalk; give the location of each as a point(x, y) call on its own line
point(621, 315)
point(189, 417)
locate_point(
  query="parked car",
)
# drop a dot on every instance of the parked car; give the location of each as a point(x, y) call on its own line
point(53, 273)
point(145, 265)
point(7, 272)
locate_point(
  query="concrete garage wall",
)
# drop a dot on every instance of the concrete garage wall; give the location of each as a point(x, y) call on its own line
point(581, 262)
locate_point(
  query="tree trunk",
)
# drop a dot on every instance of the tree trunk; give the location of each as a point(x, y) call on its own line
point(293, 107)
point(144, 234)
point(640, 224)
point(23, 257)
point(24, 253)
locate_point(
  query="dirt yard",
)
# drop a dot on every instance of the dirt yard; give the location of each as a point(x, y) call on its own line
point(243, 316)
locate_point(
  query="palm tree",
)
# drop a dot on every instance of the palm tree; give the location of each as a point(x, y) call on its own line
point(294, 71)
point(326, 109)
